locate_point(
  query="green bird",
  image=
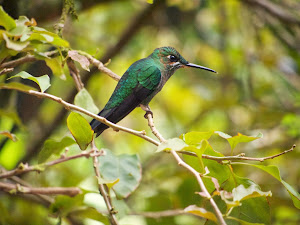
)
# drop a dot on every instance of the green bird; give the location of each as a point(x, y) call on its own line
point(140, 83)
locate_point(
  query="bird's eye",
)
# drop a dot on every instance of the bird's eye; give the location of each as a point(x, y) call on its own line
point(173, 58)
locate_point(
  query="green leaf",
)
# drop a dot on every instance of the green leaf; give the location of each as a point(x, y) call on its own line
point(175, 144)
point(5, 20)
point(42, 81)
point(16, 86)
point(15, 45)
point(241, 193)
point(80, 129)
point(84, 100)
point(193, 209)
point(126, 168)
point(82, 60)
point(55, 65)
point(195, 138)
point(199, 150)
point(274, 171)
point(54, 147)
point(233, 141)
point(65, 204)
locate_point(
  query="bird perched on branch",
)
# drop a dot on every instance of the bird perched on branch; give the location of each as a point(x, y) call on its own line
point(140, 83)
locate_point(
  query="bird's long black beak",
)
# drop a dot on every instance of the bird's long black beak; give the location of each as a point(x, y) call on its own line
point(200, 67)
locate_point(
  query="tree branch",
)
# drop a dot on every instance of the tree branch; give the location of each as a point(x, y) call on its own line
point(103, 189)
point(238, 157)
point(24, 168)
point(189, 168)
point(17, 188)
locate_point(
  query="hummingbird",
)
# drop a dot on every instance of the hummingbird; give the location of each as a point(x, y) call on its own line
point(140, 83)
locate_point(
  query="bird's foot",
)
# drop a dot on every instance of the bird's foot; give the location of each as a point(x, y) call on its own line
point(148, 112)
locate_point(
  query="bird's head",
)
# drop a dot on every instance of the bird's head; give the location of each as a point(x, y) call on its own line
point(172, 60)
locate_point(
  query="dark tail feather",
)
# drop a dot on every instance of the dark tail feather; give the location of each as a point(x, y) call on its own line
point(97, 126)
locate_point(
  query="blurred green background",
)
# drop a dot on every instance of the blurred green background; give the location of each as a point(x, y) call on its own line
point(255, 47)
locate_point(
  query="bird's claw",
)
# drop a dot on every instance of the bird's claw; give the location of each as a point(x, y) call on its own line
point(148, 112)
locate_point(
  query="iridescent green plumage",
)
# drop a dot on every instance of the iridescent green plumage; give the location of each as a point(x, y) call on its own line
point(140, 83)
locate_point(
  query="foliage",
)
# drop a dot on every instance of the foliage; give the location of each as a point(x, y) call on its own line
point(256, 91)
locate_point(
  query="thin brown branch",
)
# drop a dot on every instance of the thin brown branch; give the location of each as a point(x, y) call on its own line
point(238, 157)
point(17, 188)
point(100, 66)
point(6, 70)
point(103, 189)
point(189, 168)
point(25, 168)
point(69, 106)
point(25, 59)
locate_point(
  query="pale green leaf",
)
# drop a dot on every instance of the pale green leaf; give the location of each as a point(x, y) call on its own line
point(241, 193)
point(54, 147)
point(193, 209)
point(15, 45)
point(80, 129)
point(175, 144)
point(42, 81)
point(126, 168)
point(84, 100)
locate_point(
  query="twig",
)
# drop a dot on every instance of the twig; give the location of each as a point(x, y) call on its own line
point(17, 188)
point(69, 106)
point(191, 169)
point(24, 168)
point(100, 66)
point(75, 74)
point(6, 70)
point(103, 189)
point(25, 59)
point(238, 157)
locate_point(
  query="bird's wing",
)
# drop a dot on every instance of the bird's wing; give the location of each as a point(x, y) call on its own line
point(131, 90)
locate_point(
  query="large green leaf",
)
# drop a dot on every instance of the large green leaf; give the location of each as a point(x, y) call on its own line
point(5, 20)
point(274, 171)
point(84, 100)
point(126, 168)
point(195, 138)
point(54, 147)
point(42, 81)
point(42, 35)
point(80, 129)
